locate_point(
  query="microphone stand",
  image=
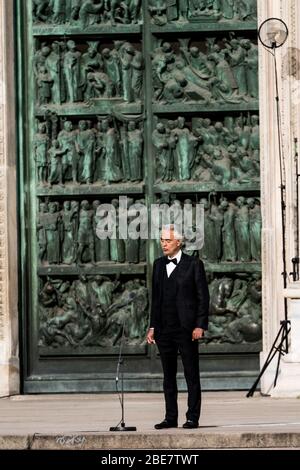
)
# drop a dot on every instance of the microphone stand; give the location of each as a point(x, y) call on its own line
point(285, 323)
point(280, 344)
point(121, 425)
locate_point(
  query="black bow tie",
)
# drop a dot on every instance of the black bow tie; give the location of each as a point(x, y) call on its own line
point(174, 260)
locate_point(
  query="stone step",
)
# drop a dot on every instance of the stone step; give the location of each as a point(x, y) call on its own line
point(167, 439)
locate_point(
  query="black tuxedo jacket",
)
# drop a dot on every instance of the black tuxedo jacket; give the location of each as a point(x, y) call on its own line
point(192, 298)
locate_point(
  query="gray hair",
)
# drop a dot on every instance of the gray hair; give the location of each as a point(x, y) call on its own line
point(174, 228)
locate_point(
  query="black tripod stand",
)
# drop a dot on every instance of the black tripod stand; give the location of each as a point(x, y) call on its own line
point(277, 347)
point(121, 425)
point(272, 34)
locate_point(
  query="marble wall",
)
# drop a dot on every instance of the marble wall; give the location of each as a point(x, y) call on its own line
point(9, 347)
point(287, 58)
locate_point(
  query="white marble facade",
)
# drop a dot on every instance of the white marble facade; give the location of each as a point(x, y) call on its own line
point(288, 67)
point(288, 58)
point(9, 342)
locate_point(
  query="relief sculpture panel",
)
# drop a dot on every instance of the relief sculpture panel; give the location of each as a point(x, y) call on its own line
point(235, 310)
point(182, 11)
point(156, 101)
point(87, 73)
point(85, 13)
point(221, 152)
point(69, 232)
point(90, 311)
point(100, 150)
point(214, 70)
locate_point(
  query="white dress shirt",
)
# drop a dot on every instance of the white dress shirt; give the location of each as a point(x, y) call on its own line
point(171, 266)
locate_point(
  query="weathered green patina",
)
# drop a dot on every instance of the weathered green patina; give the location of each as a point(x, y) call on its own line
point(157, 101)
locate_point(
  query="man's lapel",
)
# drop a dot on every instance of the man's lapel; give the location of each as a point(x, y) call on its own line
point(161, 268)
point(182, 265)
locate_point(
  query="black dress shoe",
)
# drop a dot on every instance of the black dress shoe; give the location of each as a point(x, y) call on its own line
point(166, 424)
point(190, 424)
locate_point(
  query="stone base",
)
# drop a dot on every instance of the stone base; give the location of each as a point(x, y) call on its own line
point(288, 383)
point(288, 380)
point(10, 378)
point(173, 439)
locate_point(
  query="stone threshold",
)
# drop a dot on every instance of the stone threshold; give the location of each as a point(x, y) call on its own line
point(170, 439)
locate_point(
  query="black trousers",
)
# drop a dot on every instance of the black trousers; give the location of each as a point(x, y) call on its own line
point(169, 343)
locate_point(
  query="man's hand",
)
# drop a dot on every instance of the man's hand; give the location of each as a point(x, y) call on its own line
point(150, 336)
point(197, 334)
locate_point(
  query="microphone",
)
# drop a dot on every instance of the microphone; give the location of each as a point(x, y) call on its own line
point(121, 425)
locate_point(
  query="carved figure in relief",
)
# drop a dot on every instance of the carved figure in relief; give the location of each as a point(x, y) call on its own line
point(44, 84)
point(186, 144)
point(90, 61)
point(135, 151)
point(126, 58)
point(102, 245)
point(41, 232)
point(113, 170)
point(85, 146)
point(247, 326)
point(241, 225)
point(163, 154)
point(183, 8)
point(237, 56)
point(55, 156)
point(112, 69)
point(117, 246)
point(255, 225)
point(251, 63)
point(228, 232)
point(58, 8)
point(220, 291)
point(67, 142)
point(99, 152)
point(85, 250)
point(89, 12)
point(158, 11)
point(39, 9)
point(137, 75)
point(53, 65)
point(53, 233)
point(41, 144)
point(69, 222)
point(210, 247)
point(71, 68)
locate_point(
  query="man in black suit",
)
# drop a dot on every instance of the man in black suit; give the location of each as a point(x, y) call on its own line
point(179, 316)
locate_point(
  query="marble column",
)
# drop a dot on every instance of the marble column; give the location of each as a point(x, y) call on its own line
point(9, 351)
point(288, 67)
